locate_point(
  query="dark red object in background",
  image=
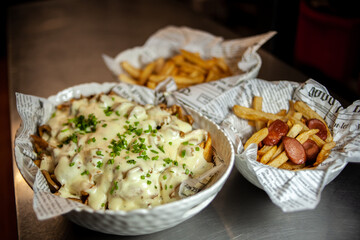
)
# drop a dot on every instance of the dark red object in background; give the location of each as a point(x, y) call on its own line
point(328, 43)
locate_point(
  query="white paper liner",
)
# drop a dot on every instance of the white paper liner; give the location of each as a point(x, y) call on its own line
point(35, 111)
point(290, 190)
point(240, 54)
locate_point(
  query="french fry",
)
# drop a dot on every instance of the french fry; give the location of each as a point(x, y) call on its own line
point(268, 155)
point(191, 57)
point(257, 137)
point(151, 84)
point(291, 166)
point(168, 67)
point(207, 149)
point(130, 69)
point(257, 105)
point(251, 114)
point(159, 64)
point(264, 150)
point(324, 152)
point(127, 79)
point(144, 75)
point(185, 80)
point(309, 114)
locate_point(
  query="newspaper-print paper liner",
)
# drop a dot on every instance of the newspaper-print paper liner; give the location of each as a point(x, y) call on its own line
point(240, 54)
point(35, 111)
point(290, 190)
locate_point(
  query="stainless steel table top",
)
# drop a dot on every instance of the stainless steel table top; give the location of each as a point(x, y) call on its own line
point(56, 44)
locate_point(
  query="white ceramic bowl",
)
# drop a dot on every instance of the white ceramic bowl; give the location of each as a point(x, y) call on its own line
point(145, 221)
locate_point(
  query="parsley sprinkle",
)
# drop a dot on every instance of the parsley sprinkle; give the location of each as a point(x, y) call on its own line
point(153, 151)
point(148, 175)
point(185, 143)
point(117, 113)
point(167, 160)
point(86, 172)
point(197, 149)
point(71, 164)
point(148, 182)
point(161, 148)
point(86, 125)
point(99, 153)
point(131, 161)
point(155, 158)
point(164, 177)
point(108, 111)
point(104, 125)
point(115, 187)
point(99, 164)
point(187, 171)
point(142, 177)
point(183, 152)
point(110, 161)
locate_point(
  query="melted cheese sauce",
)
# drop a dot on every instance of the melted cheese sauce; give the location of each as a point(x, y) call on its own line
point(132, 157)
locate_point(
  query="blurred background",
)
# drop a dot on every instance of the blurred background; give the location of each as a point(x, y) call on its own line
point(319, 37)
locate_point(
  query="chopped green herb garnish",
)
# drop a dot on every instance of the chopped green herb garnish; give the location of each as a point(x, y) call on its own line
point(104, 125)
point(175, 163)
point(165, 186)
point(142, 177)
point(71, 164)
point(117, 113)
point(155, 158)
point(99, 164)
point(110, 161)
point(115, 187)
point(99, 153)
point(86, 172)
point(131, 161)
point(108, 111)
point(170, 143)
point(167, 160)
point(161, 148)
point(105, 138)
point(86, 125)
point(73, 137)
point(148, 182)
point(64, 130)
point(187, 171)
point(53, 115)
point(197, 149)
point(103, 205)
point(183, 153)
point(148, 175)
point(185, 143)
point(164, 177)
point(153, 151)
point(171, 186)
point(117, 167)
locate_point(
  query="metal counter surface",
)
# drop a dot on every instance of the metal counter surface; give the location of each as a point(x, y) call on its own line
point(53, 45)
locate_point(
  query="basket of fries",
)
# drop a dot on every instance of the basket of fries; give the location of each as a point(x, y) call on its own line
point(117, 165)
point(188, 57)
point(290, 139)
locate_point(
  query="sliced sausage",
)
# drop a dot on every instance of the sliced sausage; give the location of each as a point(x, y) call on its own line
point(294, 150)
point(311, 150)
point(317, 124)
point(277, 130)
